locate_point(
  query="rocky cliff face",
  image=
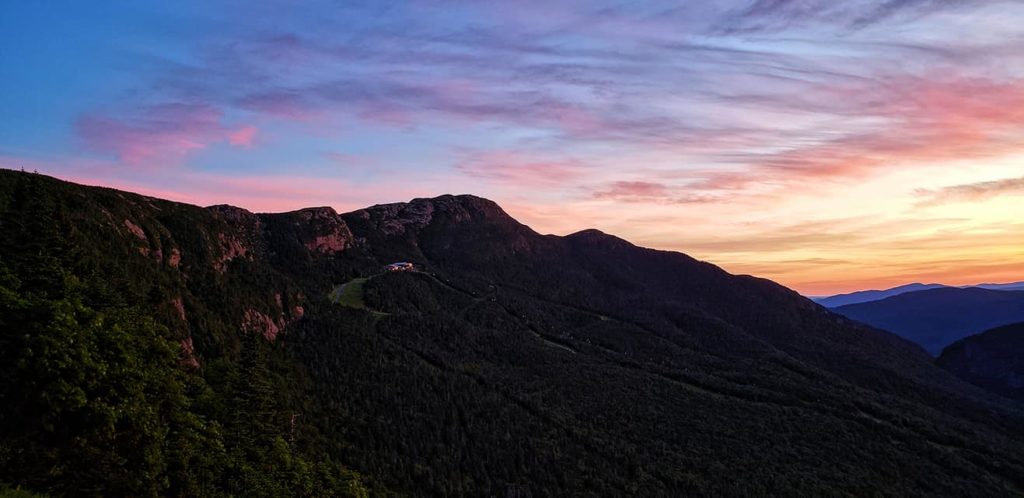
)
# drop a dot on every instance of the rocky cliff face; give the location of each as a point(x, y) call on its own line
point(207, 255)
point(320, 230)
point(413, 216)
point(142, 344)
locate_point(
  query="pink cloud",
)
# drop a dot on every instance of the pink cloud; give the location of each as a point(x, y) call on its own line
point(160, 134)
point(243, 137)
point(154, 133)
point(649, 192)
point(519, 169)
point(921, 120)
point(634, 190)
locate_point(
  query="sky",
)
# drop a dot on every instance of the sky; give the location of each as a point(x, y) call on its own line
point(830, 146)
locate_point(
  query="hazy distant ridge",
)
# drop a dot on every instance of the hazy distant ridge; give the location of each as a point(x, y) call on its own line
point(936, 318)
point(867, 296)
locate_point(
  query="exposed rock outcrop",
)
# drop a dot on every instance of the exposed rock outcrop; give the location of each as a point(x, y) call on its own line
point(230, 248)
point(243, 228)
point(410, 217)
point(255, 322)
point(188, 353)
point(135, 229)
point(234, 215)
point(174, 259)
point(179, 305)
point(331, 234)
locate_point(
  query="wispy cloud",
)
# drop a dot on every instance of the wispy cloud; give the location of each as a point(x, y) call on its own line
point(520, 170)
point(777, 15)
point(649, 192)
point(151, 133)
point(971, 191)
point(159, 134)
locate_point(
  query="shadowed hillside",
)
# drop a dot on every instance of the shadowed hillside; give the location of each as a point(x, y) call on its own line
point(993, 360)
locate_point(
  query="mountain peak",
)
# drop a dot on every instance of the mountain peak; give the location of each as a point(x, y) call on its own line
point(317, 213)
point(457, 198)
point(464, 204)
point(228, 209)
point(401, 217)
point(233, 214)
point(593, 236)
point(587, 233)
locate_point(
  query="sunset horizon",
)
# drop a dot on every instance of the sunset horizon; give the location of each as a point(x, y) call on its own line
point(531, 248)
point(831, 150)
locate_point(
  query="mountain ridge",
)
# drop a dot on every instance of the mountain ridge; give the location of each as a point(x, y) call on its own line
point(576, 364)
point(864, 296)
point(938, 317)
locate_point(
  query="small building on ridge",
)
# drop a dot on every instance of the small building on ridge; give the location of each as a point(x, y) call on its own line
point(400, 266)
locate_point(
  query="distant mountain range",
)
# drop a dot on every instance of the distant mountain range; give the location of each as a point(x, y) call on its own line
point(1009, 286)
point(935, 318)
point(866, 296)
point(993, 360)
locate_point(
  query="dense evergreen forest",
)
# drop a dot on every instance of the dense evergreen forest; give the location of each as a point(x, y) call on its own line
point(98, 395)
point(993, 360)
point(153, 348)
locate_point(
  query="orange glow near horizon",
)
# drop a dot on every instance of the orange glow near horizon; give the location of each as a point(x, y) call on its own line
point(950, 224)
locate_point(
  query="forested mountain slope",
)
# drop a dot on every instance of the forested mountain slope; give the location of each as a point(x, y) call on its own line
point(993, 360)
point(157, 348)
